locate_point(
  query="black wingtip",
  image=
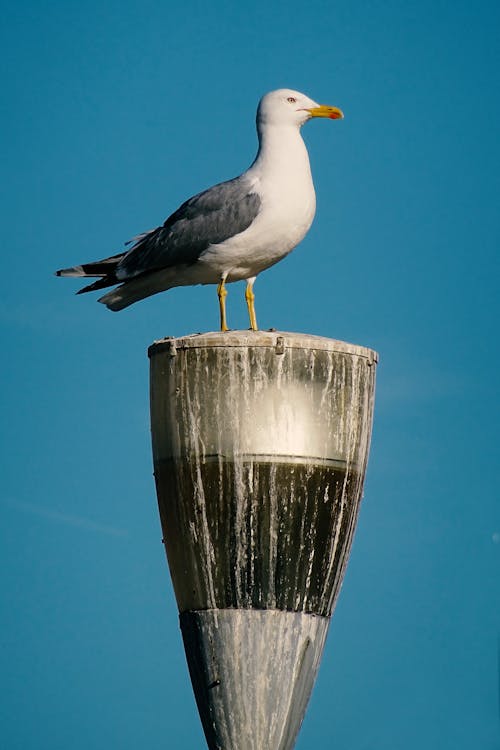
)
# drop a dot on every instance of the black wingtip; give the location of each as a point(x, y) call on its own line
point(99, 284)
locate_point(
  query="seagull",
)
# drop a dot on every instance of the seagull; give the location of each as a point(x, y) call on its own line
point(232, 231)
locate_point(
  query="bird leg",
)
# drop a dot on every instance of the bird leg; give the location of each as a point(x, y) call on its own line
point(250, 297)
point(222, 294)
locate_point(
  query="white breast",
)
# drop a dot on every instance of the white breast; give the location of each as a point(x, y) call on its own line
point(281, 175)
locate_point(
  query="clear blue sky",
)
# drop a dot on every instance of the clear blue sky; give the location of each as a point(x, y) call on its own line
point(115, 112)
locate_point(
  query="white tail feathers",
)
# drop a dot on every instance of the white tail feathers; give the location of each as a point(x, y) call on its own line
point(133, 291)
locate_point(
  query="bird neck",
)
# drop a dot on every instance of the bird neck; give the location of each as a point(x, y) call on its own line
point(282, 150)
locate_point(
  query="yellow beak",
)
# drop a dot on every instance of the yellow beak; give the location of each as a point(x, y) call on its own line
point(334, 113)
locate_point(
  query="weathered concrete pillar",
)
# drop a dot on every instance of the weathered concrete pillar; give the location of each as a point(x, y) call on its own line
point(260, 444)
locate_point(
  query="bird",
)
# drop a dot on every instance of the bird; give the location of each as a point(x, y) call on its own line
point(234, 230)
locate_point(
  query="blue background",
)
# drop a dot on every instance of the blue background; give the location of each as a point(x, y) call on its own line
point(114, 113)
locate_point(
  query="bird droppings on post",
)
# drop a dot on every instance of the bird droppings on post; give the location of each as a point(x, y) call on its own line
point(260, 444)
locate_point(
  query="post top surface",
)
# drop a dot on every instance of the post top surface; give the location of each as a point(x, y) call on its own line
point(270, 339)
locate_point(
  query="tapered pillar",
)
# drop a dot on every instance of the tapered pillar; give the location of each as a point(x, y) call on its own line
point(260, 444)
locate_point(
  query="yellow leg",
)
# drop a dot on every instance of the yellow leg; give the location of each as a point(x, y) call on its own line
point(250, 297)
point(222, 294)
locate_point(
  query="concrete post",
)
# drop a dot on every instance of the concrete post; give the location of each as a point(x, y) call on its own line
point(260, 444)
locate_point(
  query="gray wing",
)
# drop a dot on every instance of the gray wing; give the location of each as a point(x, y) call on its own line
point(206, 219)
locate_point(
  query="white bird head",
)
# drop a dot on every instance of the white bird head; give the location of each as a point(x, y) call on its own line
point(287, 107)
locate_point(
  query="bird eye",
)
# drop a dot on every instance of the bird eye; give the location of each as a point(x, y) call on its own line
point(291, 99)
